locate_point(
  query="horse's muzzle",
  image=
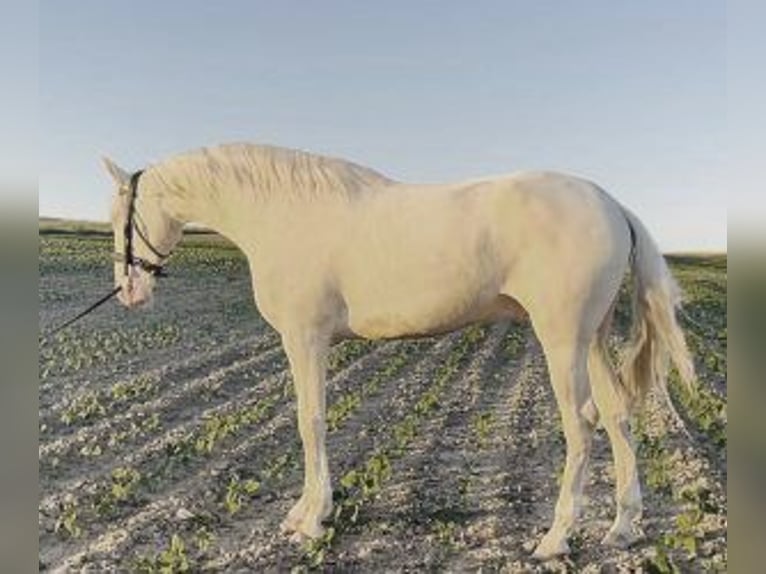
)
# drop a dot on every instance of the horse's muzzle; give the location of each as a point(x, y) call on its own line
point(136, 290)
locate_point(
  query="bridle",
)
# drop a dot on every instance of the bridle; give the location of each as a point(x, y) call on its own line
point(129, 259)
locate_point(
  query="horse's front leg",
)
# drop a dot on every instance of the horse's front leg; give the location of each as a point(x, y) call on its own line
point(307, 353)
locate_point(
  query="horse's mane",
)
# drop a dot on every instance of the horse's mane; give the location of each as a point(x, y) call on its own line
point(266, 172)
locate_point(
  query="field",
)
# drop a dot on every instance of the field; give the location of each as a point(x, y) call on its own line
point(168, 437)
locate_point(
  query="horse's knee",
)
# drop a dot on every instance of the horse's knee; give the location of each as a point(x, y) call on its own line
point(590, 413)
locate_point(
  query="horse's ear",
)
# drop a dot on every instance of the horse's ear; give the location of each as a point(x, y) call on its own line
point(120, 176)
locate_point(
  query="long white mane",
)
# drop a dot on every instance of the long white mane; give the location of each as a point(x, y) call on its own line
point(266, 172)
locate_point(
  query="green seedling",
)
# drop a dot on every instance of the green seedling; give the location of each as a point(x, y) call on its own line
point(171, 560)
point(482, 425)
point(66, 523)
point(83, 408)
point(236, 491)
point(121, 488)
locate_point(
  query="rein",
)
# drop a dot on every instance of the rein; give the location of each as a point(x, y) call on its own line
point(129, 259)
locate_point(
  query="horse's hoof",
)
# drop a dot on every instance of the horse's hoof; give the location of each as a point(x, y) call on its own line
point(298, 538)
point(304, 534)
point(312, 529)
point(550, 548)
point(287, 526)
point(620, 539)
point(301, 530)
point(296, 516)
point(304, 521)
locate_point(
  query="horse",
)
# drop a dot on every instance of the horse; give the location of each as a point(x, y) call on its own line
point(338, 250)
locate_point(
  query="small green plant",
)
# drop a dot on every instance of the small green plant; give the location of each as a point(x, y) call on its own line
point(700, 496)
point(131, 389)
point(368, 479)
point(482, 424)
point(83, 408)
point(685, 535)
point(215, 428)
point(576, 544)
point(404, 432)
point(446, 533)
point(315, 551)
point(236, 491)
point(346, 352)
point(120, 488)
point(171, 560)
point(276, 468)
point(123, 481)
point(657, 474)
point(90, 449)
point(203, 539)
point(66, 523)
point(342, 409)
point(428, 401)
point(219, 426)
point(707, 411)
point(514, 342)
point(147, 425)
point(135, 429)
point(657, 463)
point(464, 487)
point(661, 562)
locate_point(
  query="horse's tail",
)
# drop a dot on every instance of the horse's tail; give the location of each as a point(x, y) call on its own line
point(656, 335)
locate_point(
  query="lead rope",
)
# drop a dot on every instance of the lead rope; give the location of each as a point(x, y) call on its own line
point(82, 314)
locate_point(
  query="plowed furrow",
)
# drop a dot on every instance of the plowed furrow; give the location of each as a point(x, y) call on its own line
point(695, 488)
point(347, 447)
point(153, 455)
point(428, 477)
point(190, 486)
point(263, 547)
point(179, 420)
point(178, 360)
point(168, 375)
point(460, 495)
point(181, 389)
point(267, 378)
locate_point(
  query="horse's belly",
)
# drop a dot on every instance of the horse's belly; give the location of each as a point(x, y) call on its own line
point(441, 316)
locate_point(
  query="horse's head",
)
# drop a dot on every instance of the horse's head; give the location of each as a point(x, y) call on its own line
point(144, 235)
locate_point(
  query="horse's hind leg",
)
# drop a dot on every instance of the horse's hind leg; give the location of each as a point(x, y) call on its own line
point(613, 404)
point(567, 366)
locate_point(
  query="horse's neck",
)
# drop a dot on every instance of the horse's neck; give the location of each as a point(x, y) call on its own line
point(245, 208)
point(225, 211)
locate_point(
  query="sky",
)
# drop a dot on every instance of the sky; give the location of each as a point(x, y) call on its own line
point(631, 95)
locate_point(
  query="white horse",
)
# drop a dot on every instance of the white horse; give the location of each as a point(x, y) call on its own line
point(337, 250)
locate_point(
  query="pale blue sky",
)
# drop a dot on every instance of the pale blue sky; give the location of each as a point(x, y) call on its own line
point(629, 94)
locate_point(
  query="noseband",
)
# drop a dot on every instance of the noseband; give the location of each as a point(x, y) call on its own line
point(128, 258)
